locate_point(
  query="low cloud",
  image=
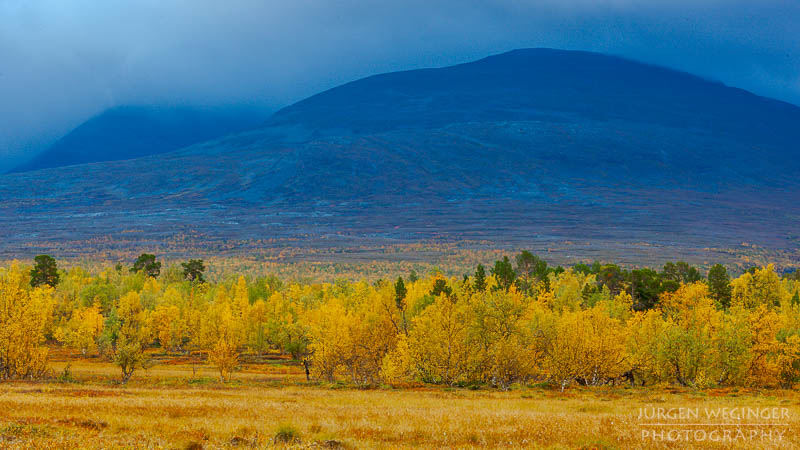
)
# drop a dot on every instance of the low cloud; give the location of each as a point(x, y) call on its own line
point(61, 62)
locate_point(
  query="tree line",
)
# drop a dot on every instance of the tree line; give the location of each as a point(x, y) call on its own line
point(520, 321)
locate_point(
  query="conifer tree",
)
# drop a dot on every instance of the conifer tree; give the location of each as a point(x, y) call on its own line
point(45, 271)
point(480, 278)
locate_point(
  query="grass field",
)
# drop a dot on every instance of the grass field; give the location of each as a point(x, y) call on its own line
point(178, 403)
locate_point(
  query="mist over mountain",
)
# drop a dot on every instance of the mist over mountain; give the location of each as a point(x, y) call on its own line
point(554, 114)
point(126, 132)
point(536, 84)
point(530, 146)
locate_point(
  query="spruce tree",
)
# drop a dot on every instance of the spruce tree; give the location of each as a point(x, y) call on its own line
point(480, 279)
point(504, 273)
point(147, 263)
point(193, 270)
point(719, 285)
point(400, 299)
point(400, 294)
point(45, 271)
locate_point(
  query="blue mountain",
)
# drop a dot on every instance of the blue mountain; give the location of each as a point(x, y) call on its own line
point(127, 132)
point(531, 146)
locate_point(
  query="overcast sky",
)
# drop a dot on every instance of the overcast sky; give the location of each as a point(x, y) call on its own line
point(64, 61)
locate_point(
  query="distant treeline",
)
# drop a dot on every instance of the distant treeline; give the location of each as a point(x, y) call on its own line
point(520, 321)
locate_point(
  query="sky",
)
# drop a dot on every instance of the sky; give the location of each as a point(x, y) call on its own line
point(62, 62)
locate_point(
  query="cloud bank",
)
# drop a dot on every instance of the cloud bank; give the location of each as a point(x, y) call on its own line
point(61, 62)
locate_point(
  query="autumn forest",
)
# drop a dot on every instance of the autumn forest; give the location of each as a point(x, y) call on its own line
point(582, 334)
point(515, 322)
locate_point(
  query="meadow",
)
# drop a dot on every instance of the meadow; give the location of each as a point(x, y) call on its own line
point(518, 354)
point(179, 403)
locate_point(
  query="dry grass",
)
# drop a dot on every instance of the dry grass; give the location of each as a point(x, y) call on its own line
point(180, 405)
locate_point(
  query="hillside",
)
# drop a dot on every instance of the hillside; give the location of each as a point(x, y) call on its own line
point(127, 132)
point(531, 147)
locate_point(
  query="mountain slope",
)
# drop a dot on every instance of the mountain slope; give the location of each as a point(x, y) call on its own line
point(535, 84)
point(127, 132)
point(532, 146)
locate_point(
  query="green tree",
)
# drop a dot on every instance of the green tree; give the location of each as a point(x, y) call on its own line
point(530, 269)
point(147, 263)
point(586, 268)
point(793, 275)
point(193, 270)
point(796, 298)
point(675, 274)
point(527, 264)
point(400, 299)
point(400, 293)
point(612, 277)
point(440, 287)
point(126, 335)
point(480, 278)
point(646, 286)
point(719, 285)
point(413, 277)
point(587, 294)
point(504, 273)
point(45, 271)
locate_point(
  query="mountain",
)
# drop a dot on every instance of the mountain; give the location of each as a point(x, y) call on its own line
point(527, 148)
point(127, 132)
point(543, 84)
point(549, 113)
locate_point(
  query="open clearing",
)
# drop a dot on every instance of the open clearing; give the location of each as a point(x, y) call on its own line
point(179, 404)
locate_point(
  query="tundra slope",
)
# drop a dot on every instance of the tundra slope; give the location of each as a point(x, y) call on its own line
point(127, 132)
point(528, 147)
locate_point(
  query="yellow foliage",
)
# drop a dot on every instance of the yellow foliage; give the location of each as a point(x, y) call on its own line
point(83, 329)
point(397, 365)
point(587, 346)
point(223, 333)
point(688, 296)
point(788, 361)
point(732, 347)
point(764, 287)
point(132, 337)
point(241, 299)
point(566, 290)
point(168, 326)
point(645, 332)
point(351, 336)
point(438, 343)
point(502, 343)
point(24, 314)
point(619, 307)
point(565, 330)
point(683, 352)
point(258, 327)
point(224, 355)
point(764, 325)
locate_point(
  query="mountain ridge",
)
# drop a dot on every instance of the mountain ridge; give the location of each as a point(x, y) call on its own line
point(132, 131)
point(535, 145)
point(550, 66)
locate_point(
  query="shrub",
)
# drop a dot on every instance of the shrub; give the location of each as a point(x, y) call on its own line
point(287, 434)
